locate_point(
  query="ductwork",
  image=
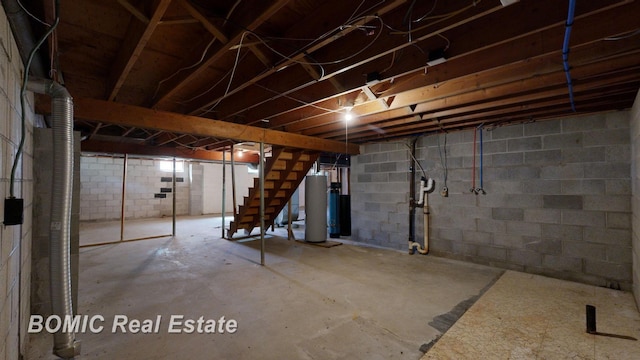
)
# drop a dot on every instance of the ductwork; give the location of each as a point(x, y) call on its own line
point(21, 27)
point(65, 345)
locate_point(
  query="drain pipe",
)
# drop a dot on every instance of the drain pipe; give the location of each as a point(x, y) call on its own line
point(65, 345)
point(412, 194)
point(427, 185)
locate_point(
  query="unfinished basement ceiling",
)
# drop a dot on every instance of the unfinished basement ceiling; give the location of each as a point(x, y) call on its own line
point(299, 66)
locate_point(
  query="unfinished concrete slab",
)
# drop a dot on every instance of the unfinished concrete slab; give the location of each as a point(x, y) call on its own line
point(308, 302)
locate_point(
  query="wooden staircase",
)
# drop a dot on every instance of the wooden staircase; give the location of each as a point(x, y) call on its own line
point(284, 171)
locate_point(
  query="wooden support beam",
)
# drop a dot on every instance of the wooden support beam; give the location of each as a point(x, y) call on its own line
point(137, 37)
point(134, 11)
point(135, 116)
point(109, 147)
point(211, 27)
point(177, 21)
point(175, 85)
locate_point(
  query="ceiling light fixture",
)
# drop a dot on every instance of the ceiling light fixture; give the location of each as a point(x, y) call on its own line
point(436, 57)
point(348, 116)
point(508, 2)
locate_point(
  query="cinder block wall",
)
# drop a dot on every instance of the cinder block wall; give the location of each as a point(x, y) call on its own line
point(635, 180)
point(15, 241)
point(101, 189)
point(558, 198)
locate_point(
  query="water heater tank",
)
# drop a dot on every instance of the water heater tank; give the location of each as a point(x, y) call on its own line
point(315, 205)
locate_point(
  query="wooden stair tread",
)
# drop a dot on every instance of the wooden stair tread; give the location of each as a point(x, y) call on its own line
point(284, 171)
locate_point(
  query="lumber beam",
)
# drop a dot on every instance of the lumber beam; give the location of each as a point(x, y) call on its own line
point(106, 112)
point(110, 147)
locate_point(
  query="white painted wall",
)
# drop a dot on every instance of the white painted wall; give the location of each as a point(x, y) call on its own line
point(213, 187)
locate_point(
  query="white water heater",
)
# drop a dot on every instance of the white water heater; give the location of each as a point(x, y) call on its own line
point(315, 207)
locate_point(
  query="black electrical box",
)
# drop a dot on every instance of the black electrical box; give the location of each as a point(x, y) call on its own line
point(13, 211)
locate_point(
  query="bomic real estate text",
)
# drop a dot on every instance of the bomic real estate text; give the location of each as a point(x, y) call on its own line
point(95, 324)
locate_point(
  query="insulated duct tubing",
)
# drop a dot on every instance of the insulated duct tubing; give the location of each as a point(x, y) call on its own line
point(64, 345)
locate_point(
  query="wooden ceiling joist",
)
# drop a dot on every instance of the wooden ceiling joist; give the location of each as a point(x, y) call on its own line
point(301, 57)
point(139, 117)
point(179, 83)
point(96, 146)
point(138, 36)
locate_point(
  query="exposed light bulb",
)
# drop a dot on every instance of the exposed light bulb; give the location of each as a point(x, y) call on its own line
point(348, 115)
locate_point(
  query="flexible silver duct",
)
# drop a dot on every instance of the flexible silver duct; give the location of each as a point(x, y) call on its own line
point(64, 345)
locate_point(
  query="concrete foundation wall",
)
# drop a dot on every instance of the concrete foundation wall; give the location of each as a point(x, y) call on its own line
point(213, 187)
point(101, 189)
point(635, 200)
point(15, 241)
point(558, 198)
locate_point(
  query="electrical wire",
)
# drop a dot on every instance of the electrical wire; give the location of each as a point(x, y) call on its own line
point(424, 173)
point(333, 62)
point(290, 58)
point(481, 190)
point(356, 10)
point(439, 18)
point(565, 52)
point(423, 17)
point(443, 160)
point(31, 15)
point(204, 53)
point(233, 71)
point(473, 170)
point(298, 100)
point(622, 37)
point(23, 93)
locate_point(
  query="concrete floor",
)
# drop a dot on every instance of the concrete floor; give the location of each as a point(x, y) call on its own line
point(308, 302)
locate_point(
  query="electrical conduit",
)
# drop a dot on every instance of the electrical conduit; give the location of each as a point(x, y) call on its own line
point(64, 345)
point(565, 51)
point(481, 189)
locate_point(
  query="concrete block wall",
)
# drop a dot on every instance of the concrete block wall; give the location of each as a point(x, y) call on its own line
point(380, 195)
point(558, 199)
point(101, 189)
point(635, 200)
point(196, 189)
point(15, 241)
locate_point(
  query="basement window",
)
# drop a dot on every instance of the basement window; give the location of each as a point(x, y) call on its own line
point(167, 166)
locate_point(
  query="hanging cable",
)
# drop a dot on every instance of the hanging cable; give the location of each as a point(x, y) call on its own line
point(423, 17)
point(481, 188)
point(565, 51)
point(473, 170)
point(333, 62)
point(424, 173)
point(23, 93)
point(622, 37)
point(206, 49)
point(31, 15)
point(233, 71)
point(443, 163)
point(438, 18)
